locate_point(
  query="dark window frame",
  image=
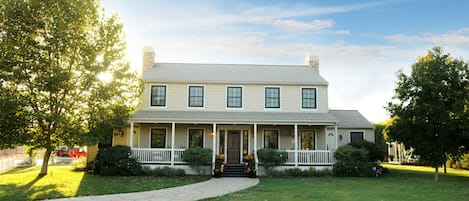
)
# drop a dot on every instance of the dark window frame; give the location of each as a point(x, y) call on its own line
point(236, 98)
point(153, 96)
point(267, 145)
point(190, 96)
point(307, 99)
point(164, 136)
point(190, 138)
point(269, 97)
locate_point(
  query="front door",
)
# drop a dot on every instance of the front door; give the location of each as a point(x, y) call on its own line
point(233, 146)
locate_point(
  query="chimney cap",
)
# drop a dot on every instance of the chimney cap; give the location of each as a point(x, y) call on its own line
point(313, 62)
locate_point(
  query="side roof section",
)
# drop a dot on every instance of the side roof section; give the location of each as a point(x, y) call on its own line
point(233, 73)
point(351, 119)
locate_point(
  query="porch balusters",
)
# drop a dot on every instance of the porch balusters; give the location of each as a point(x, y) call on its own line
point(173, 132)
point(296, 145)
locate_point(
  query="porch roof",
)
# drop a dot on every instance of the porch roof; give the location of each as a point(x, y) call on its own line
point(232, 117)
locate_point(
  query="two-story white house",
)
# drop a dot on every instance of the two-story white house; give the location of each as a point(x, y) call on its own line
point(236, 109)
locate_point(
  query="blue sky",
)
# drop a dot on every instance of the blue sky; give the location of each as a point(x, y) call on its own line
point(361, 44)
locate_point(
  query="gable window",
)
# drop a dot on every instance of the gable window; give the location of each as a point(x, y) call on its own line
point(158, 138)
point(271, 139)
point(158, 95)
point(272, 97)
point(234, 97)
point(196, 138)
point(308, 98)
point(307, 139)
point(196, 96)
point(356, 136)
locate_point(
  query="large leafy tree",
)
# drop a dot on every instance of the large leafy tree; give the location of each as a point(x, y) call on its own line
point(430, 110)
point(57, 61)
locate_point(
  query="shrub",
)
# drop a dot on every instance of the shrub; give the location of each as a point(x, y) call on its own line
point(461, 163)
point(117, 160)
point(374, 152)
point(164, 172)
point(319, 173)
point(271, 158)
point(198, 157)
point(352, 161)
point(297, 172)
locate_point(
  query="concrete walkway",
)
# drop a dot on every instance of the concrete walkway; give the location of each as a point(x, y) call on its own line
point(211, 188)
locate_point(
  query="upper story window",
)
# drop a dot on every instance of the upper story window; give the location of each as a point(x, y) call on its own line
point(234, 97)
point(356, 136)
point(158, 95)
point(272, 97)
point(196, 96)
point(308, 98)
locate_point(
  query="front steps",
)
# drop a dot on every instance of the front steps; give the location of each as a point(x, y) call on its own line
point(234, 170)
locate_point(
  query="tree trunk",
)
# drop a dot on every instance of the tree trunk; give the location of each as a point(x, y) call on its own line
point(444, 168)
point(45, 162)
point(436, 173)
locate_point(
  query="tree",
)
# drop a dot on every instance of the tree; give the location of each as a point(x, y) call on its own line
point(379, 138)
point(431, 112)
point(55, 56)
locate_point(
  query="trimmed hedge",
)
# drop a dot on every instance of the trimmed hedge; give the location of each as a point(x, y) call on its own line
point(271, 158)
point(351, 161)
point(374, 152)
point(117, 161)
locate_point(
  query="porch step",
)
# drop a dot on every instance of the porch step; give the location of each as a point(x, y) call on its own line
point(234, 170)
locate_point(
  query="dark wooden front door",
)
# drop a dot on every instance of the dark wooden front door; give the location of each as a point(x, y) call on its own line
point(233, 144)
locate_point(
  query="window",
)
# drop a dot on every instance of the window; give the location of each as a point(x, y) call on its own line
point(271, 139)
point(196, 96)
point(196, 138)
point(307, 139)
point(222, 142)
point(234, 97)
point(158, 95)
point(245, 142)
point(356, 136)
point(158, 138)
point(272, 97)
point(308, 98)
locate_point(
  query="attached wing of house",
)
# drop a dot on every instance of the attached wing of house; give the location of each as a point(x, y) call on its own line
point(236, 109)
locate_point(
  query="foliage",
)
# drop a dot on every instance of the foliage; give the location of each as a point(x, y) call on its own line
point(375, 153)
point(117, 161)
point(430, 112)
point(380, 140)
point(352, 162)
point(403, 183)
point(459, 163)
point(53, 55)
point(297, 172)
point(164, 172)
point(250, 165)
point(21, 184)
point(197, 158)
point(271, 158)
point(80, 164)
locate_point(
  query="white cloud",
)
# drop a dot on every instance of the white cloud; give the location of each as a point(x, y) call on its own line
point(457, 37)
point(313, 25)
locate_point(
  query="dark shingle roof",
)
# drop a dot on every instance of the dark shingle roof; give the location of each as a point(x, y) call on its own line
point(350, 119)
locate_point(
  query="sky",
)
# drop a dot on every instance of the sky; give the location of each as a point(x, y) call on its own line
point(361, 45)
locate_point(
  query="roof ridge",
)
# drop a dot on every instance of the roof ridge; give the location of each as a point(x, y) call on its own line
point(234, 64)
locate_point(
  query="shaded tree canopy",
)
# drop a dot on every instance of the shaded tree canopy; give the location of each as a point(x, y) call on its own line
point(54, 56)
point(430, 110)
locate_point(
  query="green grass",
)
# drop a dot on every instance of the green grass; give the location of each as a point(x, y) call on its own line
point(401, 183)
point(63, 181)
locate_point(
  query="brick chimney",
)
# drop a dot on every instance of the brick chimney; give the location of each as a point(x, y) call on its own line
point(313, 62)
point(148, 58)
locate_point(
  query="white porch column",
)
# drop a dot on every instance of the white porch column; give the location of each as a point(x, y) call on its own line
point(255, 149)
point(173, 132)
point(131, 134)
point(296, 145)
point(214, 144)
point(336, 137)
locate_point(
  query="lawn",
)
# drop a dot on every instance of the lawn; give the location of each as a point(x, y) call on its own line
point(62, 181)
point(401, 183)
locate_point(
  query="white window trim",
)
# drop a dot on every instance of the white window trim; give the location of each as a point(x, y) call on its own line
point(188, 96)
point(242, 98)
point(165, 138)
point(350, 135)
point(301, 99)
point(315, 138)
point(166, 97)
point(280, 99)
point(278, 137)
point(187, 136)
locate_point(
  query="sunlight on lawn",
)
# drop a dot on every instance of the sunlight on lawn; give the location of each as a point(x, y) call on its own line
point(24, 183)
point(426, 169)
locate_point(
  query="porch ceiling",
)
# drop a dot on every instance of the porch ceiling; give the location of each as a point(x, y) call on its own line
point(234, 117)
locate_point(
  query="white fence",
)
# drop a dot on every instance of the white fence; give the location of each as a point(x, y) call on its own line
point(7, 159)
point(153, 155)
point(311, 157)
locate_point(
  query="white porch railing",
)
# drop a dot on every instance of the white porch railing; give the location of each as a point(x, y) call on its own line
point(154, 155)
point(7, 160)
point(311, 157)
